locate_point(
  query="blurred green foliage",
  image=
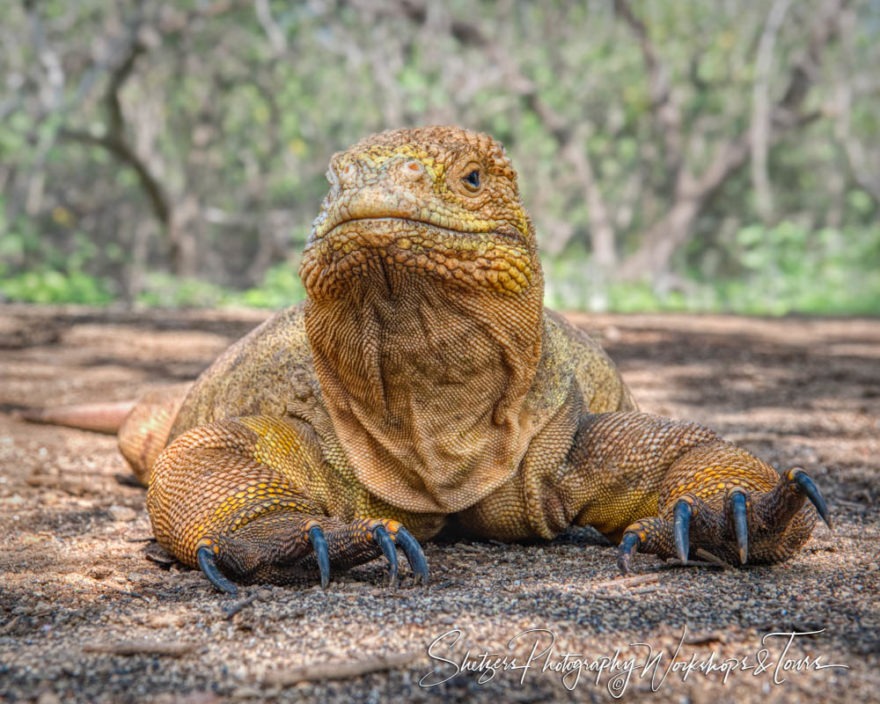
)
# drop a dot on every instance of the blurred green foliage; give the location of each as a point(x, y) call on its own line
point(53, 275)
point(280, 287)
point(234, 114)
point(783, 269)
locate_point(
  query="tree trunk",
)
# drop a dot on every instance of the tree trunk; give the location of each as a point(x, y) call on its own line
point(661, 241)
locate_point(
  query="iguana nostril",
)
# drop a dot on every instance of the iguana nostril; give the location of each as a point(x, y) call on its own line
point(347, 174)
point(412, 170)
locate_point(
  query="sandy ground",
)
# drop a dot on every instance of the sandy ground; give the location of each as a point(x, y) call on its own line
point(91, 610)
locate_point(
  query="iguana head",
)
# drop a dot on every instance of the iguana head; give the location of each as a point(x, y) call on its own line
point(425, 315)
point(441, 202)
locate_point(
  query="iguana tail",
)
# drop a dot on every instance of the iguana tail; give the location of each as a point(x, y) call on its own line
point(142, 427)
point(145, 431)
point(104, 418)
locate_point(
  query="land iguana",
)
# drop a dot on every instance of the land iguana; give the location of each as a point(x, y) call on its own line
point(424, 386)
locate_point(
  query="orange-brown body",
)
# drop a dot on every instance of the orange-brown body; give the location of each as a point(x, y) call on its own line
point(423, 385)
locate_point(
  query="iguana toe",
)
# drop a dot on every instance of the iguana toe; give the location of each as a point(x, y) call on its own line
point(208, 565)
point(629, 546)
point(736, 525)
point(805, 485)
point(414, 555)
point(390, 535)
point(289, 548)
point(737, 505)
point(380, 535)
point(683, 512)
point(649, 535)
point(322, 554)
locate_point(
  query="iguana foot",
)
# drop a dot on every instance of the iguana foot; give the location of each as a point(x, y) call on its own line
point(249, 500)
point(736, 525)
point(283, 547)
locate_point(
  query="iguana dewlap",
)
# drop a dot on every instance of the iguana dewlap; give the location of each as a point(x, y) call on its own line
point(424, 385)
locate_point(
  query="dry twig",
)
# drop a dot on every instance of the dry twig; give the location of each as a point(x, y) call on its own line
point(714, 559)
point(141, 647)
point(340, 669)
point(233, 609)
point(631, 581)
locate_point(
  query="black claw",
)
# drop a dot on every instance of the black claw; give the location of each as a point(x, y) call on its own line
point(681, 528)
point(627, 548)
point(208, 565)
point(380, 535)
point(414, 554)
point(808, 487)
point(319, 545)
point(738, 507)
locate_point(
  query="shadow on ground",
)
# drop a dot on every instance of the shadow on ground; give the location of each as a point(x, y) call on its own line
point(90, 612)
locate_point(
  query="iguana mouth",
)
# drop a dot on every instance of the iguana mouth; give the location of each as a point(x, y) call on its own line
point(501, 230)
point(344, 252)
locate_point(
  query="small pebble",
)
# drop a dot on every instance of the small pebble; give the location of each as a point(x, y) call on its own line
point(122, 513)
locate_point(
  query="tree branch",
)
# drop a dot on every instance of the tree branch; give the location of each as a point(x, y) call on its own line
point(569, 141)
point(663, 238)
point(274, 33)
point(115, 140)
point(52, 88)
point(120, 149)
point(868, 179)
point(140, 38)
point(761, 108)
point(803, 72)
point(664, 108)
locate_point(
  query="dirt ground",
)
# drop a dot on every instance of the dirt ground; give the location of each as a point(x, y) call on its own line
point(92, 611)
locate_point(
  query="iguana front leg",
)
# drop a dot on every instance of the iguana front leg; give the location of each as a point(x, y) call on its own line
point(662, 487)
point(251, 499)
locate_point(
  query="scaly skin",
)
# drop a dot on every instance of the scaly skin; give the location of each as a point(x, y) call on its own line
point(424, 385)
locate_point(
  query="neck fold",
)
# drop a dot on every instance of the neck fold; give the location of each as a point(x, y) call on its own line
point(426, 385)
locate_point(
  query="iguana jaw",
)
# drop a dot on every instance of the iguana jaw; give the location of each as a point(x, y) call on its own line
point(360, 251)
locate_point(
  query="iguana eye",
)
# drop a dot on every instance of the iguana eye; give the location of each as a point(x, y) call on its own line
point(472, 180)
